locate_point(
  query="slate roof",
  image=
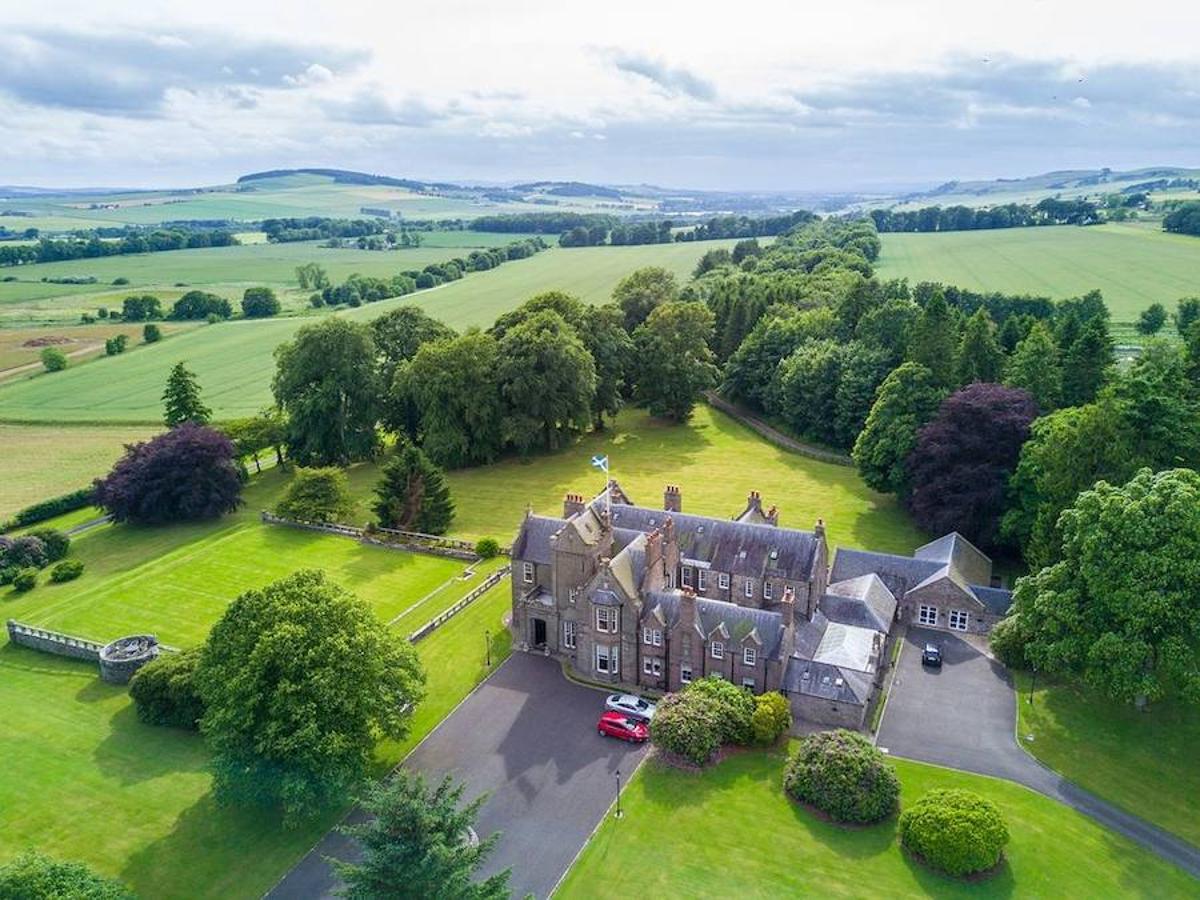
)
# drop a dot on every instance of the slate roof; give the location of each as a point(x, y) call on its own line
point(629, 565)
point(817, 679)
point(954, 549)
point(809, 634)
point(533, 540)
point(902, 574)
point(739, 621)
point(740, 548)
point(847, 647)
point(864, 601)
point(997, 600)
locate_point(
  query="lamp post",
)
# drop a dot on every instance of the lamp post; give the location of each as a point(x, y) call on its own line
point(619, 813)
point(487, 645)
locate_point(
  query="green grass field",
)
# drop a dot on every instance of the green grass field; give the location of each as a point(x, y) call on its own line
point(75, 455)
point(732, 832)
point(1133, 265)
point(1144, 762)
point(84, 780)
point(234, 361)
point(714, 459)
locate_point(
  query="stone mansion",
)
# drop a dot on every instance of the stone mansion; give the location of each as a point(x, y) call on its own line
point(653, 598)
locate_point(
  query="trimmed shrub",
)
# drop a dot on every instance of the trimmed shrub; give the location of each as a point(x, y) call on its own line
point(316, 495)
point(688, 725)
point(32, 876)
point(772, 717)
point(56, 543)
point(487, 548)
point(55, 506)
point(25, 580)
point(53, 359)
point(151, 333)
point(26, 551)
point(954, 831)
point(1007, 639)
point(842, 774)
point(735, 707)
point(164, 690)
point(67, 570)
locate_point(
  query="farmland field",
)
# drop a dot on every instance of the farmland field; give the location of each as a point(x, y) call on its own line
point(1133, 265)
point(234, 362)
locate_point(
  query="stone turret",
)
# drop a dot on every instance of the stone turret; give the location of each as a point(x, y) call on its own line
point(673, 498)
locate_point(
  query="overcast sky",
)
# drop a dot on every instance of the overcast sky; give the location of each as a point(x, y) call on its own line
point(790, 96)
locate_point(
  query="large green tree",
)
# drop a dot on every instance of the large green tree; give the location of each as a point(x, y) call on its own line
point(1121, 608)
point(1035, 367)
point(181, 399)
point(326, 383)
point(299, 680)
point(452, 386)
point(547, 380)
point(32, 876)
point(570, 307)
point(603, 333)
point(642, 291)
point(413, 494)
point(414, 845)
point(907, 399)
point(979, 358)
point(750, 371)
point(675, 364)
point(933, 341)
point(316, 495)
point(400, 333)
point(1087, 363)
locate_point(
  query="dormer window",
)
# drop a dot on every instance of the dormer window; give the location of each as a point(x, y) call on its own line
point(749, 656)
point(718, 650)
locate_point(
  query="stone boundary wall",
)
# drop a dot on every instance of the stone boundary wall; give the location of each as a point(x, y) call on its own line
point(54, 642)
point(776, 437)
point(433, 624)
point(411, 541)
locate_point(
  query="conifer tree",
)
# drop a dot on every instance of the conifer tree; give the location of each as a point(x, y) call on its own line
point(1087, 363)
point(181, 399)
point(413, 494)
point(980, 358)
point(1036, 367)
point(934, 341)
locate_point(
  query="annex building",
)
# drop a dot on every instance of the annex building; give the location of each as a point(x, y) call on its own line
point(654, 597)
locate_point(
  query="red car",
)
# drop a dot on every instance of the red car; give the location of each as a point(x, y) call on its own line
point(619, 725)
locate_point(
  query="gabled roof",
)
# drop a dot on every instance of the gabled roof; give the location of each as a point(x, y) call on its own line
point(738, 621)
point(848, 647)
point(740, 548)
point(629, 566)
point(864, 601)
point(533, 540)
point(904, 574)
point(972, 563)
point(997, 600)
point(828, 682)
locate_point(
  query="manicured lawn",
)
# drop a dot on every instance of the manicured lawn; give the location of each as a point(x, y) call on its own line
point(234, 362)
point(714, 459)
point(42, 461)
point(83, 779)
point(1147, 762)
point(1134, 265)
point(731, 832)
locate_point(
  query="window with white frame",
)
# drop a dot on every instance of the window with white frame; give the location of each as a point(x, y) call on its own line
point(768, 593)
point(749, 588)
point(685, 674)
point(718, 650)
point(527, 573)
point(749, 656)
point(570, 629)
point(701, 579)
point(959, 619)
point(723, 580)
point(606, 659)
point(573, 594)
point(652, 665)
point(606, 619)
point(749, 684)
point(671, 579)
point(652, 636)
point(927, 615)
point(686, 576)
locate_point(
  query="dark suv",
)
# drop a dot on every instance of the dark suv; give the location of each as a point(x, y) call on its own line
point(932, 656)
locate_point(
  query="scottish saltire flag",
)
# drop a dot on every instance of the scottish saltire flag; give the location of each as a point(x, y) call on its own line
point(601, 463)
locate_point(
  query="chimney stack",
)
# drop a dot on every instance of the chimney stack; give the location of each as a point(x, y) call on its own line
point(819, 528)
point(687, 607)
point(773, 515)
point(787, 606)
point(673, 499)
point(754, 501)
point(572, 505)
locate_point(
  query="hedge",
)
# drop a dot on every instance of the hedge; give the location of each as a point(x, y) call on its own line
point(954, 831)
point(48, 509)
point(842, 774)
point(164, 690)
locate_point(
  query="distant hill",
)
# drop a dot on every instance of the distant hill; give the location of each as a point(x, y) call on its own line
point(568, 189)
point(340, 176)
point(1067, 180)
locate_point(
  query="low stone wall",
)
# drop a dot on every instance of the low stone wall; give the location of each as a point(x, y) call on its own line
point(772, 434)
point(53, 642)
point(388, 538)
point(433, 624)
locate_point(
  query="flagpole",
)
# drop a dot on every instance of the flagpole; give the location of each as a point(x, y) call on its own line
point(607, 491)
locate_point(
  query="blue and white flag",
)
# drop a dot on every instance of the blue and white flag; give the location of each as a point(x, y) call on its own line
point(601, 463)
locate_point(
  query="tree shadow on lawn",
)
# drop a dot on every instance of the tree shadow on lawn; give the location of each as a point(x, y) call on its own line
point(847, 841)
point(134, 752)
point(999, 882)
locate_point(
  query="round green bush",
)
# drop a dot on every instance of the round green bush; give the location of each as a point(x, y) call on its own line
point(151, 333)
point(67, 570)
point(954, 831)
point(25, 580)
point(842, 774)
point(53, 359)
point(56, 542)
point(164, 690)
point(7, 574)
point(688, 725)
point(33, 876)
point(772, 718)
point(1007, 640)
point(487, 548)
point(735, 707)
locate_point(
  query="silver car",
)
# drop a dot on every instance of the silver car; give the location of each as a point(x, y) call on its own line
point(630, 705)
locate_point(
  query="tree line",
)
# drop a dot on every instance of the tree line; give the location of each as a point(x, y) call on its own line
point(1050, 211)
point(158, 240)
point(1184, 219)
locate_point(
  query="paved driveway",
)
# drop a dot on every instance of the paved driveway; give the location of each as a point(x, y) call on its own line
point(527, 738)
